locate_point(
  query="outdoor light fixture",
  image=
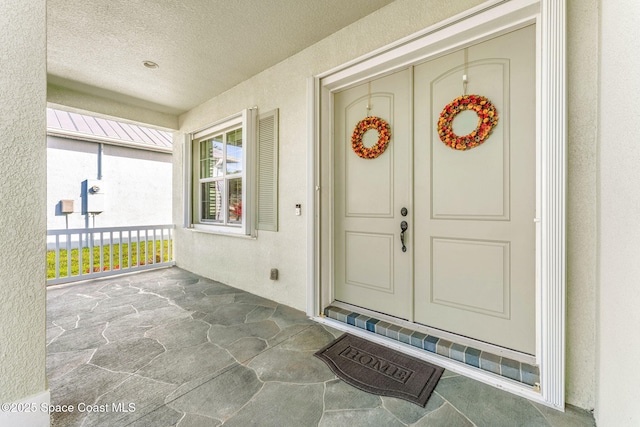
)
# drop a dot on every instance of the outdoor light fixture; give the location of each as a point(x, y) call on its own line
point(150, 64)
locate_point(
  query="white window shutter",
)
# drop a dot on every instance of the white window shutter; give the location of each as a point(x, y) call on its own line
point(268, 171)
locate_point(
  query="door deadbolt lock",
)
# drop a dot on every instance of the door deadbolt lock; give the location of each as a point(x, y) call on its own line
point(404, 211)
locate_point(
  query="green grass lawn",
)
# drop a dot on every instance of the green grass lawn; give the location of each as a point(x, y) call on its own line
point(148, 255)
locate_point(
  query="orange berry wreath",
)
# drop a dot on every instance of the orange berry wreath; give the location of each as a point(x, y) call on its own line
point(384, 135)
point(487, 120)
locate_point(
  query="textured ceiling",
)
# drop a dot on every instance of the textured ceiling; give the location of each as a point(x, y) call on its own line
point(203, 47)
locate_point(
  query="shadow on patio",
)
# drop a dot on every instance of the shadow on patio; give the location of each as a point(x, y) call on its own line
point(167, 348)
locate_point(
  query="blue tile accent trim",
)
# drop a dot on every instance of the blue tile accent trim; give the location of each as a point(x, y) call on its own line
point(457, 352)
point(381, 328)
point(472, 357)
point(530, 374)
point(443, 346)
point(490, 362)
point(351, 318)
point(417, 339)
point(512, 369)
point(405, 335)
point(393, 332)
point(430, 343)
point(371, 325)
point(361, 321)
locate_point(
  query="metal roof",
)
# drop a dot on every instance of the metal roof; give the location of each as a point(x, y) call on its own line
point(81, 126)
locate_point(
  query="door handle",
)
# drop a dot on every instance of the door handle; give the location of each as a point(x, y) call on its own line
point(403, 228)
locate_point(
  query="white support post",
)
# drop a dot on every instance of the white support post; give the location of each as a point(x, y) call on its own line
point(553, 119)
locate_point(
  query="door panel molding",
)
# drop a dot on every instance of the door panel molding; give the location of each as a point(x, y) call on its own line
point(379, 275)
point(357, 174)
point(493, 154)
point(493, 296)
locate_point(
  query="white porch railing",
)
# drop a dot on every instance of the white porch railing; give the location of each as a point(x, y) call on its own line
point(87, 253)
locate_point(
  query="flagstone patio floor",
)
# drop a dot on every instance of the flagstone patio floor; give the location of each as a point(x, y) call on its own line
point(170, 348)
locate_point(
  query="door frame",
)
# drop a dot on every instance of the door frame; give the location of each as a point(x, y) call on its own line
point(488, 20)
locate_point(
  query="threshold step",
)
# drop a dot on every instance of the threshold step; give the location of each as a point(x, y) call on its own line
point(500, 365)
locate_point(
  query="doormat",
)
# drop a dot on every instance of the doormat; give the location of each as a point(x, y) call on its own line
point(380, 370)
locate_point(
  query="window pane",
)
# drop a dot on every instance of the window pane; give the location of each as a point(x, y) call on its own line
point(211, 157)
point(212, 201)
point(235, 201)
point(234, 151)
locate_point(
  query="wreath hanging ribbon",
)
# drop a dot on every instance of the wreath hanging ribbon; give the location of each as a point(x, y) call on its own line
point(487, 120)
point(384, 135)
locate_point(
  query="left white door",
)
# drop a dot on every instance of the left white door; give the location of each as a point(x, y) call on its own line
point(371, 269)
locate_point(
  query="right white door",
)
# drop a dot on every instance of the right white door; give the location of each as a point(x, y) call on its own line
point(474, 210)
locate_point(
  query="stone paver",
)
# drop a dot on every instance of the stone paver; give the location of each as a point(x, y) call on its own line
point(170, 348)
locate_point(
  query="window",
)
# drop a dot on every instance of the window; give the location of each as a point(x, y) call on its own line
point(220, 175)
point(228, 160)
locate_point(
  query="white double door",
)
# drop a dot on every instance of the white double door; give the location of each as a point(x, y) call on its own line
point(469, 262)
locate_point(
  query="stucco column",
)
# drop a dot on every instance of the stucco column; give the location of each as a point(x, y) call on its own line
point(22, 203)
point(618, 381)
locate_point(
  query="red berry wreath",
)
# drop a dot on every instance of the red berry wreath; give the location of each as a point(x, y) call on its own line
point(487, 120)
point(384, 135)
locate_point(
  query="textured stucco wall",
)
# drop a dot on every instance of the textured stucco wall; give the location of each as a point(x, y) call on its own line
point(245, 264)
point(22, 193)
point(582, 73)
point(137, 183)
point(619, 208)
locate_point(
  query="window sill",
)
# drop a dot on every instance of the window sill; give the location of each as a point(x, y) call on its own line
point(198, 228)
